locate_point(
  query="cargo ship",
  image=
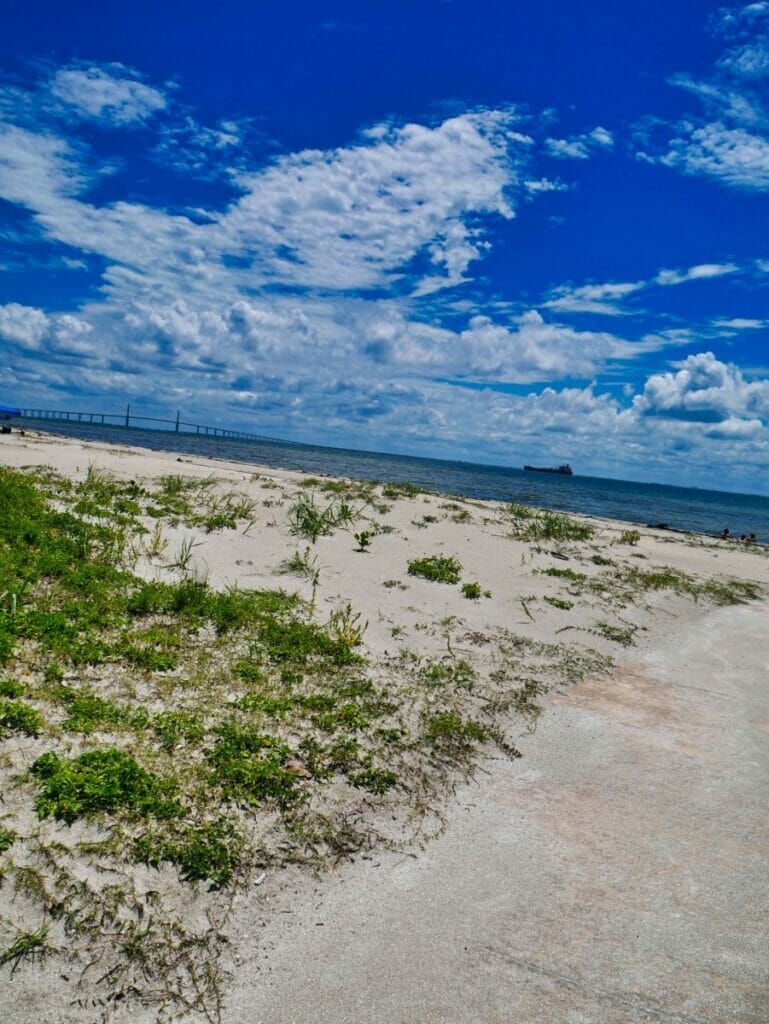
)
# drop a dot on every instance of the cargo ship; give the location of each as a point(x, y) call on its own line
point(564, 470)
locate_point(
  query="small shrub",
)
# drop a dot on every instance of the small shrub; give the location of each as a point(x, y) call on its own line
point(363, 539)
point(345, 626)
point(472, 591)
point(437, 568)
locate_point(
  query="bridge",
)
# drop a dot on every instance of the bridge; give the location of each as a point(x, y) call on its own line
point(129, 419)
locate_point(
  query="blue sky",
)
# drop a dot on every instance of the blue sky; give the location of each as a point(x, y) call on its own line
point(477, 230)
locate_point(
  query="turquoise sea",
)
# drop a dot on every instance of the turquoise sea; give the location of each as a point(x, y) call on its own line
point(680, 508)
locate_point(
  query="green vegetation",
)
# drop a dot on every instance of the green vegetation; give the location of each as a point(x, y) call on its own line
point(403, 490)
point(624, 635)
point(16, 716)
point(631, 537)
point(559, 602)
point(100, 780)
point(437, 568)
point(211, 851)
point(363, 539)
point(530, 524)
point(25, 944)
point(565, 574)
point(308, 519)
point(213, 733)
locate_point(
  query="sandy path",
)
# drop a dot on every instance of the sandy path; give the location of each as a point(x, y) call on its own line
point(616, 874)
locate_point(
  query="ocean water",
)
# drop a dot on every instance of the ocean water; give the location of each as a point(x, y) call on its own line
point(681, 508)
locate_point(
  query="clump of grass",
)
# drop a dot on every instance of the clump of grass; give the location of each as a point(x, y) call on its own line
point(100, 780)
point(472, 591)
point(631, 537)
point(394, 491)
point(16, 716)
point(173, 728)
point(437, 568)
point(11, 688)
point(451, 732)
point(395, 585)
point(306, 518)
point(528, 524)
point(301, 564)
point(25, 944)
point(601, 560)
point(7, 838)
point(559, 602)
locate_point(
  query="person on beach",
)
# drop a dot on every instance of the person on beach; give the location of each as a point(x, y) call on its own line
point(725, 534)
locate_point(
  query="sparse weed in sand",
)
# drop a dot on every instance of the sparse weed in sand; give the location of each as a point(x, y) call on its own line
point(25, 944)
point(437, 568)
point(624, 635)
point(559, 602)
point(472, 591)
point(302, 564)
point(395, 584)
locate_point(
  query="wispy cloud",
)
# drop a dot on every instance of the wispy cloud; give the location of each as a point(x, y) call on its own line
point(606, 298)
point(112, 94)
point(580, 147)
point(730, 143)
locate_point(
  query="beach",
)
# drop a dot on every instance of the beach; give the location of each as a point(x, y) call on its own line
point(580, 709)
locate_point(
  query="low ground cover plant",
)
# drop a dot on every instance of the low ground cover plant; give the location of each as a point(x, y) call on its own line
point(437, 568)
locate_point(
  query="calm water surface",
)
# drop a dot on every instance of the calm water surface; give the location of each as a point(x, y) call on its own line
point(681, 508)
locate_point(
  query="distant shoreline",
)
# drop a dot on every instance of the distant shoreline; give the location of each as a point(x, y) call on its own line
point(691, 510)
